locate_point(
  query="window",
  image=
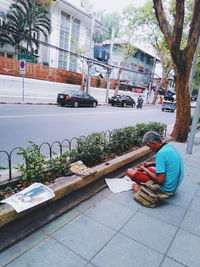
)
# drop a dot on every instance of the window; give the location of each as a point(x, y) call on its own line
point(74, 43)
point(9, 55)
point(64, 40)
point(142, 56)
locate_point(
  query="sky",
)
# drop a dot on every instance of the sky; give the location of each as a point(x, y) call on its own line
point(115, 5)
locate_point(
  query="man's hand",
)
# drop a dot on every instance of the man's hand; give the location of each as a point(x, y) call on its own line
point(160, 178)
point(147, 164)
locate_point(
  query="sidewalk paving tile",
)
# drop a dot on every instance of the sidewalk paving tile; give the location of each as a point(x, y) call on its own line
point(198, 192)
point(149, 231)
point(194, 162)
point(60, 221)
point(82, 207)
point(103, 210)
point(168, 213)
point(186, 249)
point(123, 251)
point(84, 236)
point(22, 246)
point(188, 187)
point(171, 263)
point(191, 223)
point(181, 199)
point(49, 253)
point(126, 199)
point(195, 205)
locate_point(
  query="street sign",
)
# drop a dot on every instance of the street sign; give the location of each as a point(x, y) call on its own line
point(28, 58)
point(22, 65)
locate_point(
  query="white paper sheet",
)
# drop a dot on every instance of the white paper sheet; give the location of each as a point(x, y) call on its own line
point(117, 185)
point(29, 197)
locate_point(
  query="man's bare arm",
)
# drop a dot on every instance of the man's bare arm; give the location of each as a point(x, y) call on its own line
point(160, 178)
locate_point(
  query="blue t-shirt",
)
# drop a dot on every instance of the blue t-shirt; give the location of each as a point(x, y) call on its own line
point(168, 162)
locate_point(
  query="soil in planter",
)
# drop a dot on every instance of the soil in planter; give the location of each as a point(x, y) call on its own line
point(12, 188)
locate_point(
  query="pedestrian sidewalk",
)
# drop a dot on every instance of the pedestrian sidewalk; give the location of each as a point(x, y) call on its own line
point(112, 230)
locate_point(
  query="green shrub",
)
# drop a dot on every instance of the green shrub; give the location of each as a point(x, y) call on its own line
point(90, 150)
point(32, 169)
point(122, 140)
point(59, 165)
point(157, 127)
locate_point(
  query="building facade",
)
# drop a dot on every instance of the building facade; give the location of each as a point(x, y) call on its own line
point(72, 26)
point(139, 66)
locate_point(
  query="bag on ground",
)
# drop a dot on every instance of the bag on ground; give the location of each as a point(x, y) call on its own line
point(147, 195)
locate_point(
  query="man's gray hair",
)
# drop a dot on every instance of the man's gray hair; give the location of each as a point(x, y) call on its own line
point(151, 136)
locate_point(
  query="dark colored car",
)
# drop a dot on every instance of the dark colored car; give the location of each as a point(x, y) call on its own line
point(76, 99)
point(194, 98)
point(121, 100)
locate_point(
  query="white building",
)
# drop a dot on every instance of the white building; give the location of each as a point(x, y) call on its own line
point(72, 27)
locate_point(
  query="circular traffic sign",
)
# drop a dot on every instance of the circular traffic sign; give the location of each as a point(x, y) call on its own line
point(22, 64)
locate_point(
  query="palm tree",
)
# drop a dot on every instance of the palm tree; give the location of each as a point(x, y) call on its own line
point(25, 21)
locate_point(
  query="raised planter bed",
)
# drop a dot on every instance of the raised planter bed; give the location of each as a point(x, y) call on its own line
point(69, 191)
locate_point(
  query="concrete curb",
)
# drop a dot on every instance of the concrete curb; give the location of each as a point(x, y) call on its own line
point(65, 185)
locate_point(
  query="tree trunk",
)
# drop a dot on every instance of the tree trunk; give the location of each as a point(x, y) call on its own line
point(183, 116)
point(122, 64)
point(161, 85)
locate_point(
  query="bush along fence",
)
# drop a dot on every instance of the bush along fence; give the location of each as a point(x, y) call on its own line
point(91, 150)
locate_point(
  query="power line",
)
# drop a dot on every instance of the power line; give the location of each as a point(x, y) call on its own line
point(94, 61)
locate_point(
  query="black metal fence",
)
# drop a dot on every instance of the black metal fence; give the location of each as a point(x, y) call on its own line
point(57, 147)
point(50, 150)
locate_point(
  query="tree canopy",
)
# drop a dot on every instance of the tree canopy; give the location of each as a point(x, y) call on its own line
point(25, 22)
point(111, 21)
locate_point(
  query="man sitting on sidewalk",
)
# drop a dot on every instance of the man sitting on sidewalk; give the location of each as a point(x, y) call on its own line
point(169, 165)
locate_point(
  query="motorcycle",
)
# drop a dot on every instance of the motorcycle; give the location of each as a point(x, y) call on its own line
point(139, 105)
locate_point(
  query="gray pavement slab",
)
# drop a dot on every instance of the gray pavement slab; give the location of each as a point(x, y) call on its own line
point(168, 213)
point(149, 231)
point(123, 251)
point(21, 247)
point(171, 263)
point(84, 236)
point(191, 223)
point(185, 249)
point(58, 255)
point(102, 211)
point(112, 230)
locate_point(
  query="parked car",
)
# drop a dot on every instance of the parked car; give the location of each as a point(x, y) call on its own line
point(169, 104)
point(76, 99)
point(194, 98)
point(122, 100)
point(193, 101)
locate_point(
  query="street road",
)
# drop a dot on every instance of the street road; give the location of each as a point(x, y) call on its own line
point(20, 123)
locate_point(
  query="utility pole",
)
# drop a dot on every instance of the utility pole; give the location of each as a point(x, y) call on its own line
point(197, 108)
point(193, 67)
point(109, 70)
point(151, 80)
point(111, 46)
point(89, 63)
point(91, 48)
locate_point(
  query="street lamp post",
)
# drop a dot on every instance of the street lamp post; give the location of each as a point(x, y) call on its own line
point(109, 70)
point(89, 63)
